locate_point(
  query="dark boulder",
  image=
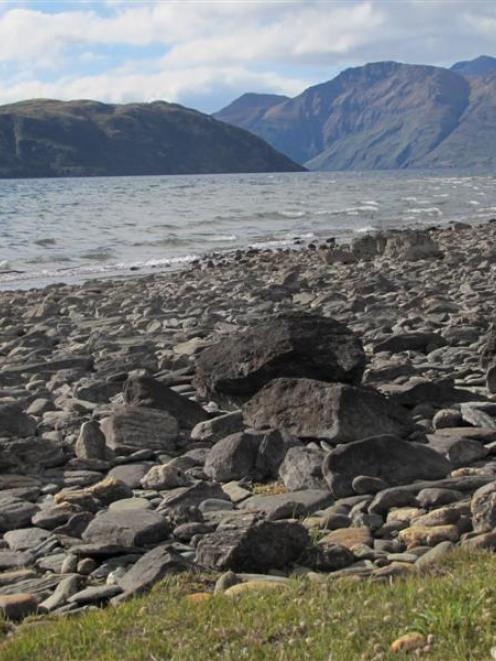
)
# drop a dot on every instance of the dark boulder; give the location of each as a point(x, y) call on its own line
point(332, 411)
point(293, 345)
point(388, 457)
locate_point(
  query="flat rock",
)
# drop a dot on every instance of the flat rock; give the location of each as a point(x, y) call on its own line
point(151, 568)
point(348, 537)
point(97, 595)
point(332, 411)
point(15, 513)
point(130, 474)
point(141, 428)
point(25, 538)
point(14, 559)
point(288, 505)
point(423, 342)
point(127, 528)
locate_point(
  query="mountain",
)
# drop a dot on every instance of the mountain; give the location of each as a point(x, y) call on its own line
point(473, 141)
point(387, 115)
point(47, 138)
point(481, 66)
point(249, 108)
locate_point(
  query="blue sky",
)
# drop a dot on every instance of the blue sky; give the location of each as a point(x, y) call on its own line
point(204, 53)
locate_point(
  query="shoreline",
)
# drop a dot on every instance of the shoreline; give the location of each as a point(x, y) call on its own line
point(224, 404)
point(180, 264)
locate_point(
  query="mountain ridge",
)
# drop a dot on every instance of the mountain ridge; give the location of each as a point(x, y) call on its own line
point(385, 115)
point(51, 138)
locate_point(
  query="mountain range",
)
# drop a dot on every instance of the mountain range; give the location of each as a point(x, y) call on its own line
point(47, 138)
point(383, 115)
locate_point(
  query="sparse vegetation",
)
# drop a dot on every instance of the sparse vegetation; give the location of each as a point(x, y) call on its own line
point(339, 620)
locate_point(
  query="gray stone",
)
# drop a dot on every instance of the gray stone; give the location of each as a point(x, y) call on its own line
point(130, 504)
point(91, 442)
point(97, 595)
point(141, 428)
point(364, 484)
point(289, 505)
point(52, 516)
point(127, 528)
point(219, 427)
point(302, 469)
point(165, 477)
point(458, 451)
point(25, 538)
point(483, 508)
point(130, 474)
point(14, 422)
point(15, 513)
point(146, 391)
point(14, 559)
point(331, 411)
point(151, 568)
point(256, 547)
point(436, 497)
point(233, 457)
point(434, 555)
point(387, 457)
point(67, 587)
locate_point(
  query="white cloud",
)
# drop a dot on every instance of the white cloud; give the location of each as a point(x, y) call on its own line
point(203, 47)
point(122, 85)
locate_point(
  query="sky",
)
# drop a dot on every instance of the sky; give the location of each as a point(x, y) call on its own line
point(205, 53)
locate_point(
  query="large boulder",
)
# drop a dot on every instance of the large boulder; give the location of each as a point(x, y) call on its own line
point(139, 428)
point(332, 411)
point(292, 345)
point(252, 546)
point(387, 457)
point(148, 392)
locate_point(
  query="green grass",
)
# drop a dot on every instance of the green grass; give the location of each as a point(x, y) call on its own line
point(339, 620)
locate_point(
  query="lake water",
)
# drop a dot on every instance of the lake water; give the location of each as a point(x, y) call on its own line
point(54, 230)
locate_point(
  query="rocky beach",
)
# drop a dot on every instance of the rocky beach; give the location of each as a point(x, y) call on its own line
point(323, 411)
